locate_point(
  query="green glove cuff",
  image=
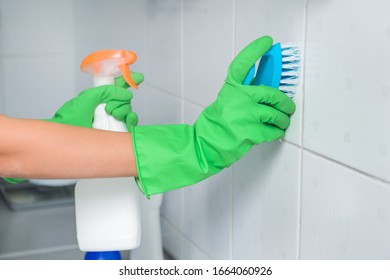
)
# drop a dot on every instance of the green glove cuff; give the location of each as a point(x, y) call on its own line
point(164, 163)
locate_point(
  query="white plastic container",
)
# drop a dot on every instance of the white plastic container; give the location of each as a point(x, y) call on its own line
point(107, 210)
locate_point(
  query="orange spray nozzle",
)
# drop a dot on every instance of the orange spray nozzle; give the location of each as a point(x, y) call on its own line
point(110, 63)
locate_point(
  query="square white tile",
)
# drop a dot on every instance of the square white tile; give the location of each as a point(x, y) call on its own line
point(110, 25)
point(36, 87)
point(191, 252)
point(172, 239)
point(347, 89)
point(345, 215)
point(207, 215)
point(284, 21)
point(163, 45)
point(36, 27)
point(160, 107)
point(172, 208)
point(207, 48)
point(265, 203)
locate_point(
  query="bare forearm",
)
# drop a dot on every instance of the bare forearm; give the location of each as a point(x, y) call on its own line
point(40, 149)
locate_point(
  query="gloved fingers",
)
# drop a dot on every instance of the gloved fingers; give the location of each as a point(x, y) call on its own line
point(273, 97)
point(138, 78)
point(270, 133)
point(102, 94)
point(131, 120)
point(245, 59)
point(118, 109)
point(272, 116)
point(112, 92)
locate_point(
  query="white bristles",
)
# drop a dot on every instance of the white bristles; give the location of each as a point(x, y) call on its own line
point(291, 68)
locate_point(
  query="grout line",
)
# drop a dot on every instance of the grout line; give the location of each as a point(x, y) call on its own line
point(24, 254)
point(181, 98)
point(2, 87)
point(302, 104)
point(182, 60)
point(74, 49)
point(3, 97)
point(184, 236)
point(196, 103)
point(231, 229)
point(299, 205)
point(163, 91)
point(350, 168)
point(182, 75)
point(35, 54)
point(174, 226)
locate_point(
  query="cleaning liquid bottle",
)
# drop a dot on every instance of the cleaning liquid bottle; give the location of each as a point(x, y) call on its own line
point(108, 209)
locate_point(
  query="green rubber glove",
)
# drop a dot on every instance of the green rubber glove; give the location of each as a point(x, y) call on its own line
point(173, 156)
point(80, 110)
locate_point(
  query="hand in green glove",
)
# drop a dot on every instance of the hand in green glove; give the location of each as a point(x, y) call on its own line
point(173, 156)
point(80, 110)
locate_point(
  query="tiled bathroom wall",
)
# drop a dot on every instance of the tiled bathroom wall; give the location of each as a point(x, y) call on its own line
point(322, 193)
point(37, 56)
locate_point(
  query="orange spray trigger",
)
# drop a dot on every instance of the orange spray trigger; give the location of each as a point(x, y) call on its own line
point(110, 63)
point(125, 70)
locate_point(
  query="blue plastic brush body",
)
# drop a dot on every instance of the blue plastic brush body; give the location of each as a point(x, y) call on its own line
point(250, 75)
point(269, 71)
point(279, 67)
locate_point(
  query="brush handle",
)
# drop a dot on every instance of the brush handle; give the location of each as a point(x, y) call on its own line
point(269, 71)
point(249, 76)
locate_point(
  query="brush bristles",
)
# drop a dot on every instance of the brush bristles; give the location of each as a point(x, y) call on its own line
point(291, 68)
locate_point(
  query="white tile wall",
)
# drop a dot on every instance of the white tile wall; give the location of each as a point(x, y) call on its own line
point(267, 183)
point(321, 194)
point(207, 48)
point(265, 203)
point(163, 45)
point(345, 215)
point(347, 96)
point(37, 59)
point(207, 215)
point(172, 237)
point(160, 107)
point(35, 87)
point(25, 28)
point(192, 252)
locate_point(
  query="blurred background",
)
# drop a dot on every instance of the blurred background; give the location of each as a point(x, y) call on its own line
point(322, 193)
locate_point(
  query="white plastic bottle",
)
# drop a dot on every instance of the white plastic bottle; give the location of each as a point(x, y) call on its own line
point(107, 210)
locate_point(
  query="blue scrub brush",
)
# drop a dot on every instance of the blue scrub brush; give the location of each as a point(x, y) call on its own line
point(279, 68)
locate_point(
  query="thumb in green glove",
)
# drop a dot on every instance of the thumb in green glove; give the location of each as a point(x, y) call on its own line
point(173, 156)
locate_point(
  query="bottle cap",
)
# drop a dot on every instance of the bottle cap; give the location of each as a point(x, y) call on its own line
point(110, 63)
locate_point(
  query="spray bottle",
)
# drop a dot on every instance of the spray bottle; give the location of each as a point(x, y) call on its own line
point(107, 210)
